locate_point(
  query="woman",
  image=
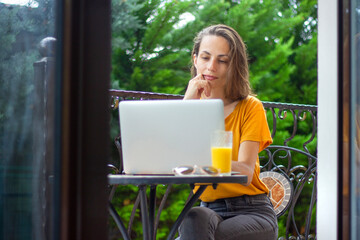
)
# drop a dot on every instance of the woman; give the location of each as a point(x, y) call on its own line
point(232, 211)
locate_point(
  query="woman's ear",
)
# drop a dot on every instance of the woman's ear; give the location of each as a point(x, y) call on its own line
point(195, 60)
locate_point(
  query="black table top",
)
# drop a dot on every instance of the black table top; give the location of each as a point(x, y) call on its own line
point(125, 179)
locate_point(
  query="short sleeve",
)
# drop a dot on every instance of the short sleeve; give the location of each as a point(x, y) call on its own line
point(255, 126)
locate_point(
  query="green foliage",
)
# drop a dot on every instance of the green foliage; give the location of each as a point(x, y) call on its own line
point(151, 44)
point(149, 61)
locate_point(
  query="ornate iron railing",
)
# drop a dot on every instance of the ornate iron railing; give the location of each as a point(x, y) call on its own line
point(293, 153)
point(293, 157)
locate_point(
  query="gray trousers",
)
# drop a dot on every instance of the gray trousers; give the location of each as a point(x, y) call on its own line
point(245, 217)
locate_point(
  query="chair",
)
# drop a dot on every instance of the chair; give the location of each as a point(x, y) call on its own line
point(281, 190)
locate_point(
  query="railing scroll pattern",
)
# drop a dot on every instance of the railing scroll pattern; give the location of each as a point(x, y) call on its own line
point(297, 162)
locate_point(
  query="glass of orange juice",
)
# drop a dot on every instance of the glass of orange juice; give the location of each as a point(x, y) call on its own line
point(221, 151)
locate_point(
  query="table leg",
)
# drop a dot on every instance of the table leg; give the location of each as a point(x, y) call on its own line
point(152, 203)
point(186, 209)
point(144, 212)
point(118, 222)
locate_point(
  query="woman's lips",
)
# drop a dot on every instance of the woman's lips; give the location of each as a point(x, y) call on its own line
point(209, 77)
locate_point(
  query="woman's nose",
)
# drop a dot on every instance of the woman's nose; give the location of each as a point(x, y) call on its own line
point(211, 65)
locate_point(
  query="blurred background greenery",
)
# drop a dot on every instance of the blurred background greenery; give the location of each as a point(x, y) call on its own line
point(151, 47)
point(152, 41)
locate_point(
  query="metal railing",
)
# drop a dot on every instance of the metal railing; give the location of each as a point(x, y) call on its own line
point(293, 153)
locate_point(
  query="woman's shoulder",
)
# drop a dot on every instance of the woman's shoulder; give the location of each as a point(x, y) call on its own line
point(252, 98)
point(251, 102)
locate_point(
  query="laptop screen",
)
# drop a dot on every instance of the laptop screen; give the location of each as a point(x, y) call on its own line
point(159, 135)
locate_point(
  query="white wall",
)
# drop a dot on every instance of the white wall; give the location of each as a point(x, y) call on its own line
point(327, 120)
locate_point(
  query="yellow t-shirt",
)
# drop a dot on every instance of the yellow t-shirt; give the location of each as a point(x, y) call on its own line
point(248, 123)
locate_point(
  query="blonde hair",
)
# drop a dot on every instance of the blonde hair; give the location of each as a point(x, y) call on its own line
point(237, 85)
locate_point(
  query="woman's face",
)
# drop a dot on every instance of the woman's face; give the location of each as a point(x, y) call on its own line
point(213, 60)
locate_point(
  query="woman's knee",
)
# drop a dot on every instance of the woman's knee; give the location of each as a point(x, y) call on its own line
point(199, 215)
point(200, 222)
point(247, 227)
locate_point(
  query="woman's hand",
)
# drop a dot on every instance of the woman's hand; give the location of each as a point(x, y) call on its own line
point(196, 87)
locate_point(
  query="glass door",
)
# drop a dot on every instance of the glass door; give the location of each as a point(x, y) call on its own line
point(54, 108)
point(27, 54)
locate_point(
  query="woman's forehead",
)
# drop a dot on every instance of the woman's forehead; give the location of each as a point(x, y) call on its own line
point(214, 45)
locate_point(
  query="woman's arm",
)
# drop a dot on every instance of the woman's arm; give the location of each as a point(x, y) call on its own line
point(248, 154)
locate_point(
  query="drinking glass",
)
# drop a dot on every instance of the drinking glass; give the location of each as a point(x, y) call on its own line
point(221, 151)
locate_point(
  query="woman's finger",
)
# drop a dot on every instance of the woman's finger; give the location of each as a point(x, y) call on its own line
point(196, 87)
point(207, 89)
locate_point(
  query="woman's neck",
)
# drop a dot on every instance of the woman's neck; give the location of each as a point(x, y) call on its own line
point(229, 108)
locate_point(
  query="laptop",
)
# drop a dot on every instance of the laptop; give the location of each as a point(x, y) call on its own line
point(159, 135)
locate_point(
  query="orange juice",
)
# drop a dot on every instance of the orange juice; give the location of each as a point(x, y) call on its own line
point(221, 158)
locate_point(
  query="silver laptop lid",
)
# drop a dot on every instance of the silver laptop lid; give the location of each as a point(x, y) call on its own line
point(159, 135)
